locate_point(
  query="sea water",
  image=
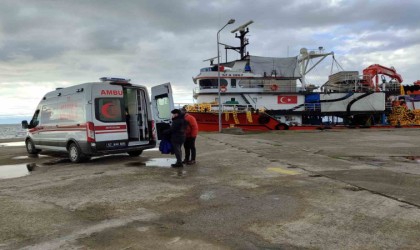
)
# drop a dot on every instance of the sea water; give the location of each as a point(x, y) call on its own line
point(11, 131)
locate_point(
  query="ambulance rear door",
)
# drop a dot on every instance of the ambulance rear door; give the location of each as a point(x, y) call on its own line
point(162, 105)
point(109, 116)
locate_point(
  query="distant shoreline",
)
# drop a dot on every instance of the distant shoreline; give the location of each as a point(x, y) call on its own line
point(12, 132)
point(12, 139)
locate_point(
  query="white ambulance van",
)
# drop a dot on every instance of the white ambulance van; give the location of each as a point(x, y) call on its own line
point(108, 117)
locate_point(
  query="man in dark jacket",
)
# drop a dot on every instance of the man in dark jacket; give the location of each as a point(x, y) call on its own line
point(177, 135)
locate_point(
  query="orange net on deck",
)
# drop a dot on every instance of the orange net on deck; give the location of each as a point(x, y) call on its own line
point(402, 116)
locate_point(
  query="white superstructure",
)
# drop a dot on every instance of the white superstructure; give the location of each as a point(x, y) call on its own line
point(278, 86)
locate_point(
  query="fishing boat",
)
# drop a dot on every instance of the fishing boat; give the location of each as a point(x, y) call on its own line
point(271, 93)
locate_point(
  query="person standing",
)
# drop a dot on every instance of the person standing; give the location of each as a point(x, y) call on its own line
point(127, 121)
point(190, 134)
point(177, 134)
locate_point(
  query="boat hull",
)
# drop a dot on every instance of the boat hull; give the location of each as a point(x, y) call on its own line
point(209, 121)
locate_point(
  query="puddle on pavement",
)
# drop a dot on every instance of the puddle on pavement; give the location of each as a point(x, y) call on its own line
point(103, 157)
point(152, 149)
point(12, 144)
point(179, 173)
point(160, 162)
point(377, 163)
point(17, 170)
point(414, 158)
point(209, 195)
point(23, 157)
point(155, 162)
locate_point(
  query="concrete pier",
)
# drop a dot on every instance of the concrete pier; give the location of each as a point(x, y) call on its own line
point(331, 189)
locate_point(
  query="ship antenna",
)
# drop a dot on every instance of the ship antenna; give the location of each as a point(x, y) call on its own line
point(243, 30)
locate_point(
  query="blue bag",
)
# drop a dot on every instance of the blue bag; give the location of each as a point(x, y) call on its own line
point(165, 146)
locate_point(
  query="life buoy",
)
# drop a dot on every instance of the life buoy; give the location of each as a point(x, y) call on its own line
point(274, 87)
point(223, 89)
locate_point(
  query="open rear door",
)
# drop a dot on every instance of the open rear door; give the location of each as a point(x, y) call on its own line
point(162, 105)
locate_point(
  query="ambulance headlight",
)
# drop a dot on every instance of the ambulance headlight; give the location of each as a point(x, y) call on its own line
point(93, 144)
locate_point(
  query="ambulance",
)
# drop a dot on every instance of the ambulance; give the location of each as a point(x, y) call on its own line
point(108, 117)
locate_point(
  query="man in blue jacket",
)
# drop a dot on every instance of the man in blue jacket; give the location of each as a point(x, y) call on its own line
point(177, 135)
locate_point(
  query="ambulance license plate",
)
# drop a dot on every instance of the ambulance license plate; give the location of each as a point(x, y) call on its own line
point(115, 144)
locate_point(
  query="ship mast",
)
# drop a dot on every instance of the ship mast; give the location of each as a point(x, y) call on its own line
point(306, 56)
point(243, 30)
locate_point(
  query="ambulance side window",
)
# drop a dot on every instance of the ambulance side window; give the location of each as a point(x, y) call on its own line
point(109, 110)
point(34, 122)
point(163, 107)
point(46, 114)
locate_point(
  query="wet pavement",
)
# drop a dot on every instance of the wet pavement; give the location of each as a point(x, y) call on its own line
point(12, 144)
point(349, 189)
point(13, 171)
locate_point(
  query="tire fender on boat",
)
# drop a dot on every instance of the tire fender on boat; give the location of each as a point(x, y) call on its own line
point(282, 126)
point(263, 119)
point(274, 87)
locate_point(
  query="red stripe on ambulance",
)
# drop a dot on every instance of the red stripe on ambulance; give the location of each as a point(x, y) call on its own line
point(113, 127)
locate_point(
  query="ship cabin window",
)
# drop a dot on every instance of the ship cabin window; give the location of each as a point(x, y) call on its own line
point(233, 83)
point(251, 83)
point(207, 69)
point(212, 83)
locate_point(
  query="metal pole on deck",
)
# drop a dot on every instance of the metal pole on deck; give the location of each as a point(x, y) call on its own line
point(218, 74)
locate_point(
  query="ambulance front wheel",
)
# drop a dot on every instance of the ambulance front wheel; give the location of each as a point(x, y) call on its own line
point(30, 147)
point(135, 153)
point(75, 154)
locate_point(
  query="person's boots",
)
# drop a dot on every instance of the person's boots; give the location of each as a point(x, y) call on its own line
point(177, 165)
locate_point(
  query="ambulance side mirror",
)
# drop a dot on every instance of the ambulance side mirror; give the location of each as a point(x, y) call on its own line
point(24, 124)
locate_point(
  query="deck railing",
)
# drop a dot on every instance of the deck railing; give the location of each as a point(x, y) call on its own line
point(214, 107)
point(286, 86)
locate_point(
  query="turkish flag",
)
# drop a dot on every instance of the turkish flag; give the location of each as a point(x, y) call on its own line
point(287, 99)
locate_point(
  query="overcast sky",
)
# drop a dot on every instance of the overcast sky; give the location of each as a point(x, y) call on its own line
point(59, 43)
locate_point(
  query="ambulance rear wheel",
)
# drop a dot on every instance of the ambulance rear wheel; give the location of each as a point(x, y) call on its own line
point(30, 147)
point(75, 154)
point(135, 153)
